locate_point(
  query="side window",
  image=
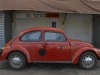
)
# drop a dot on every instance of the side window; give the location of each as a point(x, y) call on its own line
point(32, 36)
point(62, 37)
point(51, 36)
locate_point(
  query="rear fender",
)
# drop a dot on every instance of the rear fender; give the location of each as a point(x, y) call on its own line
point(76, 56)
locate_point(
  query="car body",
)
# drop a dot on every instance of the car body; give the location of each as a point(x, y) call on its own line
point(48, 45)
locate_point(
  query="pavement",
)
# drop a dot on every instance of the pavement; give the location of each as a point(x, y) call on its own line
point(47, 69)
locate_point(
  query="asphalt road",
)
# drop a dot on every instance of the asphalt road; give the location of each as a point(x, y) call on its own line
point(48, 69)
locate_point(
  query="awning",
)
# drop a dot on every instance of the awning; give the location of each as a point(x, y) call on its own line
point(64, 6)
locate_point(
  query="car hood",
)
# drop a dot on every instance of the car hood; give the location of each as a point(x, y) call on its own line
point(74, 41)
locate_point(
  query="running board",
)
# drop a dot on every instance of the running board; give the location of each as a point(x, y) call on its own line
point(51, 61)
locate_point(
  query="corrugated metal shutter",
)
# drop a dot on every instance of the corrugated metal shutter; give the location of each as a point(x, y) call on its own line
point(2, 39)
point(78, 26)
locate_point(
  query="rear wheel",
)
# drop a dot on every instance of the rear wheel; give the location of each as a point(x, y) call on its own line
point(17, 60)
point(88, 60)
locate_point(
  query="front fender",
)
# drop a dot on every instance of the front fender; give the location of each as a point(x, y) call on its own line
point(24, 50)
point(19, 48)
point(77, 54)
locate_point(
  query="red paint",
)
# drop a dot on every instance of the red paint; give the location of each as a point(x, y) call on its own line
point(52, 15)
point(71, 51)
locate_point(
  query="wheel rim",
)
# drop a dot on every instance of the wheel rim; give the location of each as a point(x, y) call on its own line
point(88, 61)
point(16, 61)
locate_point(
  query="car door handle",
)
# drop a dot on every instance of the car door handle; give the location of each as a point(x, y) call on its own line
point(61, 47)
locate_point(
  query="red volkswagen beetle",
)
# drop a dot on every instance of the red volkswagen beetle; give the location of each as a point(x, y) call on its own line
point(48, 45)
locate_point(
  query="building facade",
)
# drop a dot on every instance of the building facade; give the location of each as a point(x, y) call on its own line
point(77, 26)
point(74, 25)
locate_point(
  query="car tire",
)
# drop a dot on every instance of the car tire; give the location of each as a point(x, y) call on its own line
point(88, 60)
point(16, 60)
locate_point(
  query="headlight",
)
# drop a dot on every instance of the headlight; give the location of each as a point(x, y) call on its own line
point(3, 48)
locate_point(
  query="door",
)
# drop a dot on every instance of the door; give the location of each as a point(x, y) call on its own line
point(96, 31)
point(57, 47)
point(33, 43)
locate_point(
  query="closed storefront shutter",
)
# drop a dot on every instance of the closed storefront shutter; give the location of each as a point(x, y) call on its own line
point(2, 39)
point(79, 26)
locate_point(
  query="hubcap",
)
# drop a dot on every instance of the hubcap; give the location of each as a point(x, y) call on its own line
point(88, 61)
point(16, 61)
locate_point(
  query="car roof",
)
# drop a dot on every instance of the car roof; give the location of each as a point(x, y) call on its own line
point(42, 28)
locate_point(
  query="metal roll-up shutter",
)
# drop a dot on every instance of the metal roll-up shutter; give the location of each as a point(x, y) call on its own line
point(79, 26)
point(2, 38)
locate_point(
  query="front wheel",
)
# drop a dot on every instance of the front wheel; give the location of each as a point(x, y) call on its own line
point(17, 60)
point(88, 60)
